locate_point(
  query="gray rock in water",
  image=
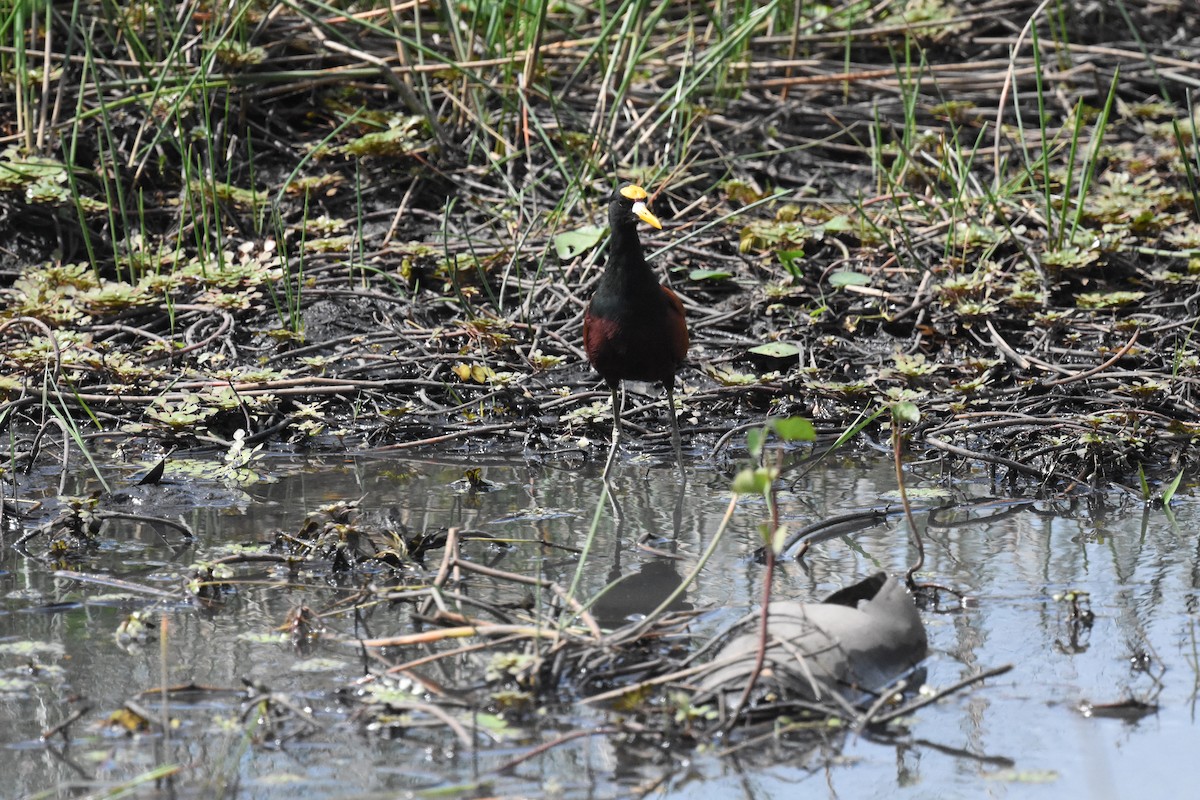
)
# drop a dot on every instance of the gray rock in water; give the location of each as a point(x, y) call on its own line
point(858, 640)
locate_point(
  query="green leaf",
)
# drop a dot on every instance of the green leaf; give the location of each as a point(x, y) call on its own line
point(569, 244)
point(848, 278)
point(710, 274)
point(1107, 299)
point(753, 481)
point(1169, 491)
point(754, 441)
point(794, 429)
point(791, 260)
point(838, 224)
point(776, 350)
point(779, 539)
point(493, 723)
point(906, 412)
point(1144, 483)
point(744, 482)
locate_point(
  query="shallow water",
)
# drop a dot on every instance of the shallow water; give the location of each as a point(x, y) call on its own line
point(1019, 735)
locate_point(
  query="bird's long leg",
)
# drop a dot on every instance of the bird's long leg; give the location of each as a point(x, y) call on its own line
point(670, 387)
point(618, 395)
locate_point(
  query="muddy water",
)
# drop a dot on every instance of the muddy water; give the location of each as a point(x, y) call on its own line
point(1021, 735)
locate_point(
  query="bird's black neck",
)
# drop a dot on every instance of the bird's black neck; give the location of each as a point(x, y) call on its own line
point(626, 271)
point(624, 249)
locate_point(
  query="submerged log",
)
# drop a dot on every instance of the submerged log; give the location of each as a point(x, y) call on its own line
point(857, 641)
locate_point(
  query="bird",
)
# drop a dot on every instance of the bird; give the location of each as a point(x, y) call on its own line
point(634, 328)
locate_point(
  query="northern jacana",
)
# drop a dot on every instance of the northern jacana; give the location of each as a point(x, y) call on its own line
point(634, 328)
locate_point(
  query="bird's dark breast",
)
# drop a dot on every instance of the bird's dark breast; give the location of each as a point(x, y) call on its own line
point(646, 341)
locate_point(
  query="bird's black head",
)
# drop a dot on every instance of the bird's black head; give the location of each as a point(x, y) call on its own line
point(628, 205)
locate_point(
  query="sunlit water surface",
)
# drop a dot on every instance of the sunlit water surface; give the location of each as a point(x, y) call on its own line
point(1020, 735)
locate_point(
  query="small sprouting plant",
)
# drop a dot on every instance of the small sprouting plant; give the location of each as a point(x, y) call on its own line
point(187, 412)
point(1070, 257)
point(237, 56)
point(913, 366)
point(1107, 299)
point(1168, 491)
point(760, 478)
